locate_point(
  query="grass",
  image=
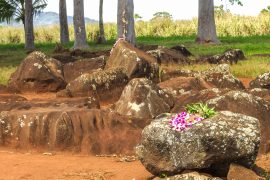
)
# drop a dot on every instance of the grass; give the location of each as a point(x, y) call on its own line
point(12, 54)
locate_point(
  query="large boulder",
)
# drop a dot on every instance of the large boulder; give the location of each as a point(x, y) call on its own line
point(221, 77)
point(142, 98)
point(135, 62)
point(262, 81)
point(263, 93)
point(202, 96)
point(73, 70)
point(244, 103)
point(37, 73)
point(104, 85)
point(89, 131)
point(169, 56)
point(214, 142)
point(239, 172)
point(182, 49)
point(230, 56)
point(180, 85)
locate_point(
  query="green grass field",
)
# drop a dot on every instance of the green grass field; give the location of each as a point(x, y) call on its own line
point(12, 54)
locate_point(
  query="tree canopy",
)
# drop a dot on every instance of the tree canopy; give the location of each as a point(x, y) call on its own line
point(14, 9)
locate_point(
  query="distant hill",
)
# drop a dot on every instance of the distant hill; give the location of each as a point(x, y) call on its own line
point(48, 18)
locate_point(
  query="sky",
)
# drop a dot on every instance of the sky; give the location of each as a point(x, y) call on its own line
point(179, 9)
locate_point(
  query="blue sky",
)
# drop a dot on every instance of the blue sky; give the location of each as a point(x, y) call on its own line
point(180, 9)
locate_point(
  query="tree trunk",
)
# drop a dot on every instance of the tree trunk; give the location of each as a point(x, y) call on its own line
point(64, 34)
point(125, 20)
point(101, 38)
point(29, 27)
point(206, 23)
point(79, 25)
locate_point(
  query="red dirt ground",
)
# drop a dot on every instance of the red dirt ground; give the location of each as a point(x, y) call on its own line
point(18, 165)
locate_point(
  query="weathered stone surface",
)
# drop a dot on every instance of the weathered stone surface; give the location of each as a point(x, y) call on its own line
point(167, 73)
point(180, 85)
point(215, 142)
point(135, 62)
point(189, 176)
point(190, 98)
point(104, 85)
point(241, 173)
point(221, 77)
point(142, 98)
point(169, 56)
point(73, 70)
point(37, 73)
point(263, 93)
point(244, 103)
point(81, 130)
point(229, 56)
point(262, 81)
point(182, 49)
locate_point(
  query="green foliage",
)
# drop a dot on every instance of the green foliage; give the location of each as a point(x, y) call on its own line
point(137, 16)
point(14, 9)
point(236, 1)
point(162, 15)
point(201, 109)
point(266, 10)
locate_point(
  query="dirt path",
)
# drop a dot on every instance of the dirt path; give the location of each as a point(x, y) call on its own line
point(16, 165)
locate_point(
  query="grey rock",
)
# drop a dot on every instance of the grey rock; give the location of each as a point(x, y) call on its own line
point(262, 81)
point(225, 138)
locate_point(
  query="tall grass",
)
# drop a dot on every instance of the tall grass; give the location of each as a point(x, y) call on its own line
point(227, 25)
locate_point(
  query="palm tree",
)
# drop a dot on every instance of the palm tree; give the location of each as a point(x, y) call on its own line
point(64, 34)
point(79, 25)
point(22, 11)
point(101, 38)
point(125, 20)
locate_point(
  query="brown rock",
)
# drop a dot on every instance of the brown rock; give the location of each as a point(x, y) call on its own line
point(143, 99)
point(262, 81)
point(135, 62)
point(180, 85)
point(73, 70)
point(238, 172)
point(37, 73)
point(182, 49)
point(87, 131)
point(106, 85)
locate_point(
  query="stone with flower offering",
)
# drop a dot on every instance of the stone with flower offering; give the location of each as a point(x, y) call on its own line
point(173, 143)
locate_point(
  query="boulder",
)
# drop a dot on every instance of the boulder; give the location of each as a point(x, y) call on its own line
point(215, 142)
point(135, 62)
point(263, 93)
point(73, 70)
point(182, 49)
point(180, 85)
point(89, 131)
point(169, 56)
point(37, 73)
point(230, 56)
point(239, 172)
point(195, 97)
point(189, 176)
point(106, 85)
point(167, 73)
point(221, 77)
point(141, 98)
point(244, 103)
point(262, 81)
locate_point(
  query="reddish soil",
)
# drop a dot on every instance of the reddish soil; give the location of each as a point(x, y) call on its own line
point(245, 81)
point(18, 165)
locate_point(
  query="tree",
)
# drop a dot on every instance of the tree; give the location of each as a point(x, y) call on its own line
point(125, 20)
point(29, 26)
point(22, 11)
point(64, 34)
point(137, 16)
point(162, 15)
point(206, 21)
point(101, 38)
point(266, 10)
point(79, 25)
